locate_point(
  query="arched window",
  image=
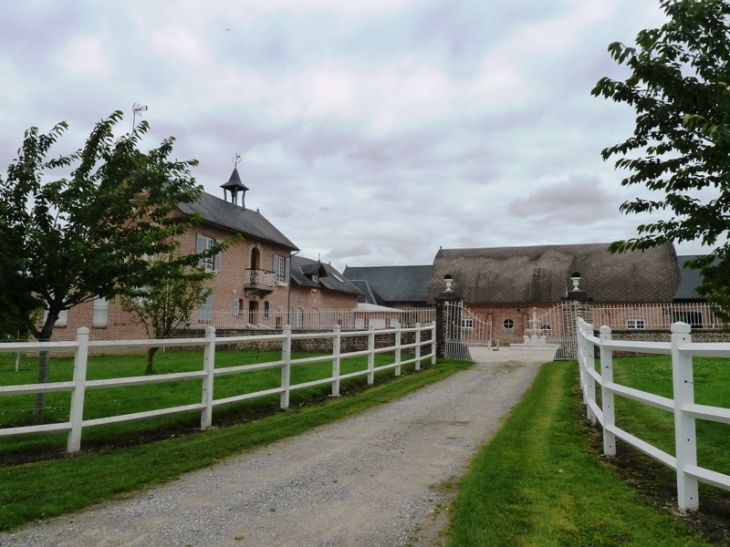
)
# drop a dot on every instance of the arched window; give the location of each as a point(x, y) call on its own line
point(255, 258)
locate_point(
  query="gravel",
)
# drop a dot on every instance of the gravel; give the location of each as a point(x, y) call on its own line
point(371, 480)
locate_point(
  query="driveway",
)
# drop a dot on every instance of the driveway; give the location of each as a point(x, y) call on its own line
point(371, 480)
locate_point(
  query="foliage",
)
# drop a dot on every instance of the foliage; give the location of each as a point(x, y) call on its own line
point(168, 305)
point(71, 239)
point(679, 88)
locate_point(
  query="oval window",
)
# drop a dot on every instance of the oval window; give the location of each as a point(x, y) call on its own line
point(508, 324)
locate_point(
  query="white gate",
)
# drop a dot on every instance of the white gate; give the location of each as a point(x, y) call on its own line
point(464, 330)
point(559, 332)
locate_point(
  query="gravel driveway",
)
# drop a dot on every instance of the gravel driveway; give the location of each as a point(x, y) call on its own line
point(371, 480)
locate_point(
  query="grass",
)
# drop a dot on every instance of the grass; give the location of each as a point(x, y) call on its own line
point(18, 410)
point(653, 374)
point(47, 488)
point(535, 483)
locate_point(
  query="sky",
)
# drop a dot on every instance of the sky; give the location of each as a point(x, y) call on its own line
point(371, 133)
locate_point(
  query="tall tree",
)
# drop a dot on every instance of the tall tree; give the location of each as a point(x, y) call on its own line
point(70, 239)
point(680, 149)
point(166, 306)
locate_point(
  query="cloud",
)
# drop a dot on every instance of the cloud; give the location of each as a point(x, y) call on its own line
point(580, 200)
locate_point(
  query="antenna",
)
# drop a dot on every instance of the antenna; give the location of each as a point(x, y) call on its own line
point(137, 109)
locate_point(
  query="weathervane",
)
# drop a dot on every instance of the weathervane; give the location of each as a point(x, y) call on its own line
point(137, 109)
point(236, 160)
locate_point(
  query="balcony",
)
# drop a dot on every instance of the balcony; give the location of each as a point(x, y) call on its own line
point(258, 282)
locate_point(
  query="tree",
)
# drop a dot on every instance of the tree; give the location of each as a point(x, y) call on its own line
point(680, 149)
point(87, 235)
point(168, 305)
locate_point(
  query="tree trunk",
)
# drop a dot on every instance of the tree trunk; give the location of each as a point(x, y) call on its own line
point(150, 360)
point(44, 367)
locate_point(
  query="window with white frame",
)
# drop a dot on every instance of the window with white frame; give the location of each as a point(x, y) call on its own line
point(210, 263)
point(508, 324)
point(101, 312)
point(635, 324)
point(467, 324)
point(237, 306)
point(62, 318)
point(205, 314)
point(281, 269)
point(268, 309)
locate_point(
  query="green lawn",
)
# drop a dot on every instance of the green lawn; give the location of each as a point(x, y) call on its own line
point(18, 410)
point(537, 484)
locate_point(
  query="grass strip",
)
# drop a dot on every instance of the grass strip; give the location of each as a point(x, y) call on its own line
point(49, 488)
point(535, 484)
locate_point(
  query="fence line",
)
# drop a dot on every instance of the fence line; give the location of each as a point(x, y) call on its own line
point(686, 412)
point(698, 315)
point(80, 384)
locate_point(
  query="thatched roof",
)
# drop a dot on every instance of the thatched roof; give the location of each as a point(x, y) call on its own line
point(542, 273)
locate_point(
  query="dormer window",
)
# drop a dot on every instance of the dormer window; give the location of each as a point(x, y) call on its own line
point(315, 278)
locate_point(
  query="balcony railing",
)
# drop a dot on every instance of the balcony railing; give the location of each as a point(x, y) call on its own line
point(260, 278)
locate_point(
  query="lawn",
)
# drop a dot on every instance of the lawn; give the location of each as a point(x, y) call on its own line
point(537, 483)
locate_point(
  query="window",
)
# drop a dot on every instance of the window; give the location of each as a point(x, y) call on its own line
point(692, 318)
point(635, 324)
point(546, 328)
point(467, 324)
point(297, 318)
point(281, 269)
point(101, 313)
point(508, 324)
point(211, 263)
point(205, 315)
point(62, 318)
point(268, 309)
point(237, 306)
point(328, 319)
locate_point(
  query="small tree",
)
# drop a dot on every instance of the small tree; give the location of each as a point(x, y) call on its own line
point(680, 149)
point(168, 305)
point(72, 239)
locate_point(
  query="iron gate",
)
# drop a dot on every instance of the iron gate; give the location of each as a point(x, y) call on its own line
point(464, 330)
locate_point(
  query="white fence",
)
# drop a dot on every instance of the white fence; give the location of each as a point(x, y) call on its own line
point(208, 373)
point(698, 315)
point(682, 351)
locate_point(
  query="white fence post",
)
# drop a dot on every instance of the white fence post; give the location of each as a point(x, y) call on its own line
point(286, 368)
point(589, 362)
point(371, 355)
point(206, 417)
point(418, 345)
point(433, 342)
point(685, 437)
point(397, 350)
point(609, 412)
point(81, 361)
point(336, 359)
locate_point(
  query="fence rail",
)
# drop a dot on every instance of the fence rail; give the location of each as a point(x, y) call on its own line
point(682, 351)
point(208, 373)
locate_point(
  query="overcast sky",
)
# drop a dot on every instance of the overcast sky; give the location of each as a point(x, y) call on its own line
point(370, 131)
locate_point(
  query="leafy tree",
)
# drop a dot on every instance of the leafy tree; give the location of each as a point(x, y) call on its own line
point(86, 234)
point(680, 148)
point(168, 305)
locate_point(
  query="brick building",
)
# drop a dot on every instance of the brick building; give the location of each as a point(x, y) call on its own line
point(504, 285)
point(319, 295)
point(251, 281)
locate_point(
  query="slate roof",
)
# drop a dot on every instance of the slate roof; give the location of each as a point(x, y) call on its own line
point(394, 283)
point(369, 295)
point(231, 216)
point(689, 280)
point(302, 268)
point(542, 273)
